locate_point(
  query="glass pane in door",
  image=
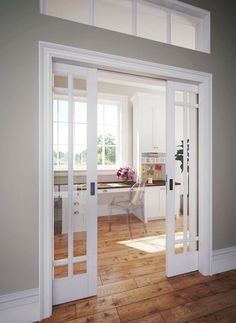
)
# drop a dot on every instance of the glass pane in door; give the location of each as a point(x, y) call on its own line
point(192, 135)
point(186, 178)
point(80, 189)
point(60, 271)
point(60, 172)
point(179, 178)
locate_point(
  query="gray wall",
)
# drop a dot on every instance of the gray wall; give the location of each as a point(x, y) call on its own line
point(21, 27)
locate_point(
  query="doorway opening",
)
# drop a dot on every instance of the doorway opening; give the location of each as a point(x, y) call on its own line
point(150, 167)
point(129, 123)
point(132, 195)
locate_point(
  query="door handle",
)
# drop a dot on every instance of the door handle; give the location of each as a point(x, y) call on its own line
point(171, 184)
point(92, 188)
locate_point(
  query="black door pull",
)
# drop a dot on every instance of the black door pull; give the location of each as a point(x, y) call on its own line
point(171, 184)
point(92, 188)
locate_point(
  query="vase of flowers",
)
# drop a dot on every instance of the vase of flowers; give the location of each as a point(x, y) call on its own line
point(126, 173)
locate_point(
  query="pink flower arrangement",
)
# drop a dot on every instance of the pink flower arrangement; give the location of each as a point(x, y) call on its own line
point(126, 173)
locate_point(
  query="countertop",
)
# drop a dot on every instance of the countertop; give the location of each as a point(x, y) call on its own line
point(117, 184)
point(107, 185)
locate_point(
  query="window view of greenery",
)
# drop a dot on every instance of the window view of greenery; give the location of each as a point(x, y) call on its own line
point(60, 134)
point(108, 130)
point(107, 152)
point(107, 137)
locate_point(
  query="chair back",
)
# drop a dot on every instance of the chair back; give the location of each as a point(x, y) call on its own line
point(138, 193)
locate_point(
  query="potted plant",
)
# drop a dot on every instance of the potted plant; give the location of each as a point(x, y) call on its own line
point(126, 173)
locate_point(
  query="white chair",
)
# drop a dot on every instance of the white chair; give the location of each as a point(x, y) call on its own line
point(129, 205)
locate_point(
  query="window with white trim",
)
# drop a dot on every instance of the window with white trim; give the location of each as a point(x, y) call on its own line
point(60, 133)
point(111, 132)
point(169, 21)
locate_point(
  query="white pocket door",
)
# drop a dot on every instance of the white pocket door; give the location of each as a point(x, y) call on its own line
point(182, 178)
point(74, 168)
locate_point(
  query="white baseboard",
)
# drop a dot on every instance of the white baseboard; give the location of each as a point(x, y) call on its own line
point(20, 307)
point(224, 260)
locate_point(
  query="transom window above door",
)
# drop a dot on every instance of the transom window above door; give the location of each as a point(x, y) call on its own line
point(169, 21)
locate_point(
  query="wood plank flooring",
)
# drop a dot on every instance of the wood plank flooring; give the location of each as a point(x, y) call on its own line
point(133, 286)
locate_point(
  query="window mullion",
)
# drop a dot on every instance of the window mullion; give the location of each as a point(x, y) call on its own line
point(58, 157)
point(134, 17)
point(119, 135)
point(103, 137)
point(168, 27)
point(91, 12)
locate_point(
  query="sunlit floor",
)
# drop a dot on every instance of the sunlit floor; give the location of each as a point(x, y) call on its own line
point(115, 244)
point(117, 250)
point(133, 286)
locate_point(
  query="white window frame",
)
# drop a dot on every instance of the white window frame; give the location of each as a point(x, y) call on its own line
point(198, 15)
point(58, 122)
point(122, 101)
point(123, 129)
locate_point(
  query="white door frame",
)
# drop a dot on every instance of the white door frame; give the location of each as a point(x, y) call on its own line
point(50, 51)
point(187, 260)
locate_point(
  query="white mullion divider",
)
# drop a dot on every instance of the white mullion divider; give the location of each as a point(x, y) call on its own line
point(43, 6)
point(57, 143)
point(63, 91)
point(118, 131)
point(185, 173)
point(193, 176)
point(103, 135)
point(168, 27)
point(70, 175)
point(134, 17)
point(188, 240)
point(79, 259)
point(65, 261)
point(60, 262)
point(170, 171)
point(91, 9)
point(91, 200)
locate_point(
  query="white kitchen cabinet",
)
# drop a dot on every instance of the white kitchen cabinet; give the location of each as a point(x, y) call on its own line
point(155, 202)
point(162, 207)
point(149, 122)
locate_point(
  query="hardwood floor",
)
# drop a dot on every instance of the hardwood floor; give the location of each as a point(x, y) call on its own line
point(133, 286)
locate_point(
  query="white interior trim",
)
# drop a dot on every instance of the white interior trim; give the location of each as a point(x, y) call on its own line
point(131, 80)
point(22, 306)
point(199, 15)
point(181, 6)
point(48, 51)
point(224, 260)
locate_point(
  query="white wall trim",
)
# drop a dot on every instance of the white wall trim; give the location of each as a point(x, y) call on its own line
point(223, 260)
point(20, 307)
point(48, 51)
